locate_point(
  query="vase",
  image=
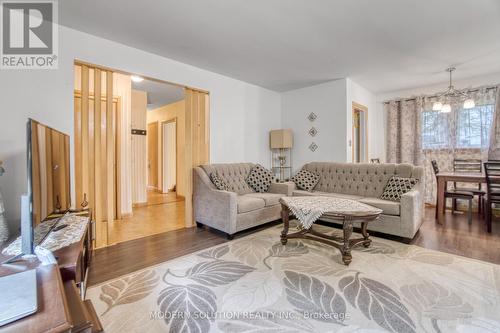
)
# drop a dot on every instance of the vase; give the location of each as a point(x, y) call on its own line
point(4, 228)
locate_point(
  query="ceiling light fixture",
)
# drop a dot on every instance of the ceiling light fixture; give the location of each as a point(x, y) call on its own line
point(136, 78)
point(452, 94)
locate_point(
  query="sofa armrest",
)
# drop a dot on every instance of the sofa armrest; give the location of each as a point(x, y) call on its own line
point(218, 209)
point(285, 188)
point(212, 207)
point(412, 212)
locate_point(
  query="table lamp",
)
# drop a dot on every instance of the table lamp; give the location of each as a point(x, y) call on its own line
point(281, 139)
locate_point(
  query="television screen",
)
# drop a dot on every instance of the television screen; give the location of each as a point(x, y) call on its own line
point(48, 174)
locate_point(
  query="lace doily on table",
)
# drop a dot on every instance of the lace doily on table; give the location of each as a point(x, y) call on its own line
point(56, 239)
point(309, 209)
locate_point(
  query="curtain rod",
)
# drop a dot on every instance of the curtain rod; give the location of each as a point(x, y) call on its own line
point(434, 96)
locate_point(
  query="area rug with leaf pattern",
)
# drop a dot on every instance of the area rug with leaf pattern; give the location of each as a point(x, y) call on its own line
point(255, 284)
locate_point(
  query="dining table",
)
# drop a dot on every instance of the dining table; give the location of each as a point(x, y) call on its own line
point(442, 182)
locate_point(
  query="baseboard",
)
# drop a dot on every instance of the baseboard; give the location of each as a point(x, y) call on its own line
point(139, 204)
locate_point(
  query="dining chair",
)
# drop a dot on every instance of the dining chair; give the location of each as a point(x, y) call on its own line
point(455, 194)
point(492, 170)
point(469, 166)
point(375, 160)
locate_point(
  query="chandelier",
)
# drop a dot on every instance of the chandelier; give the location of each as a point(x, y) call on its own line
point(451, 95)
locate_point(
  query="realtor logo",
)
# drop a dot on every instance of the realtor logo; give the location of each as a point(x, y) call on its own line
point(29, 34)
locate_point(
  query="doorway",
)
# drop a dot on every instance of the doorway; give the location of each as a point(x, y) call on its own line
point(152, 135)
point(135, 170)
point(158, 205)
point(359, 133)
point(169, 156)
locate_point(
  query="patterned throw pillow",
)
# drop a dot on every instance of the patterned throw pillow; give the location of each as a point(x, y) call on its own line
point(396, 187)
point(219, 182)
point(259, 178)
point(305, 180)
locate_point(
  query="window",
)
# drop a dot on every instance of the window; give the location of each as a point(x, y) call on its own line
point(473, 126)
point(435, 130)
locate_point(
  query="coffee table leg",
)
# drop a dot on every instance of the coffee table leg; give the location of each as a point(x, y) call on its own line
point(346, 248)
point(365, 234)
point(285, 216)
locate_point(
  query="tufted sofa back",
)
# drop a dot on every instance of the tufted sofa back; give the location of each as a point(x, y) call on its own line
point(366, 180)
point(234, 174)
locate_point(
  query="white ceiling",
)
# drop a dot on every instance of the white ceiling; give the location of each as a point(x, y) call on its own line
point(159, 93)
point(383, 45)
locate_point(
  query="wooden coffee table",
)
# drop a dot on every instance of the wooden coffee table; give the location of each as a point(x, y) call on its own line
point(344, 210)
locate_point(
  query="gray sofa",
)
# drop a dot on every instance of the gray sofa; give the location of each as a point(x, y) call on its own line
point(365, 183)
point(238, 209)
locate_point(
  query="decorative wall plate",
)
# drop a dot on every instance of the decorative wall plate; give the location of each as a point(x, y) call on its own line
point(313, 131)
point(312, 116)
point(313, 146)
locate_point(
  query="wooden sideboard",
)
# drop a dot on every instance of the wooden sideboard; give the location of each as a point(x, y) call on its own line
point(61, 291)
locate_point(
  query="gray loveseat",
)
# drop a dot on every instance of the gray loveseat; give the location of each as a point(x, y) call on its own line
point(238, 209)
point(365, 183)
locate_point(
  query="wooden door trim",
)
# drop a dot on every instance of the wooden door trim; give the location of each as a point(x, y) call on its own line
point(362, 108)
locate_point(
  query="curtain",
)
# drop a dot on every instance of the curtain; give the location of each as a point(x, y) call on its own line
point(494, 149)
point(418, 135)
point(404, 131)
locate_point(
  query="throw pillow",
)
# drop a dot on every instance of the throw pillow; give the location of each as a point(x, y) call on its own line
point(305, 180)
point(259, 178)
point(219, 183)
point(396, 187)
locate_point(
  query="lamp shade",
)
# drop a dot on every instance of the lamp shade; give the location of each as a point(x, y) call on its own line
point(437, 106)
point(446, 108)
point(282, 138)
point(469, 103)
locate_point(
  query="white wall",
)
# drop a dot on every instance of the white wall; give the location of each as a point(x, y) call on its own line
point(241, 113)
point(328, 102)
point(376, 128)
point(255, 126)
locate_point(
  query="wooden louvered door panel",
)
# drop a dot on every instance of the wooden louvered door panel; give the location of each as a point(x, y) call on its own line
point(96, 148)
point(197, 141)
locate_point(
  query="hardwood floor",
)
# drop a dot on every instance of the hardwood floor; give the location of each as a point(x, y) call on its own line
point(164, 212)
point(123, 258)
point(456, 236)
point(156, 198)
